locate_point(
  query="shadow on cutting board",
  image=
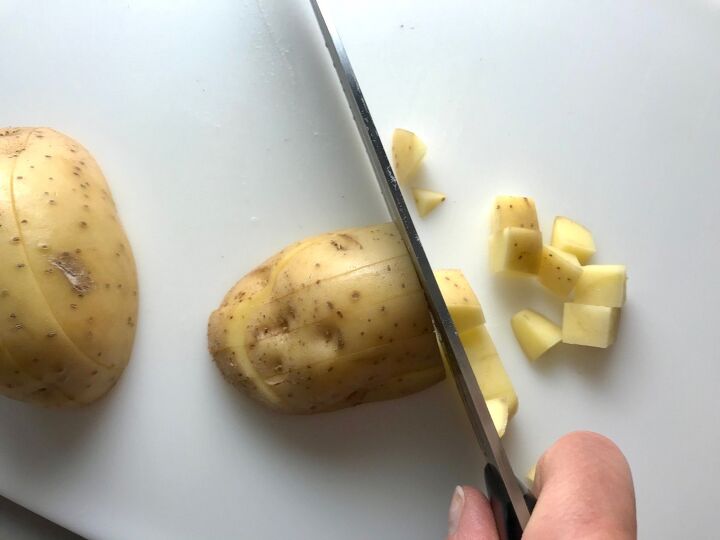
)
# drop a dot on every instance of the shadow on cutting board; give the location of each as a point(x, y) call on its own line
point(426, 431)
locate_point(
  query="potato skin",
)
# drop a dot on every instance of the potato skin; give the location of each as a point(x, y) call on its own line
point(68, 285)
point(333, 321)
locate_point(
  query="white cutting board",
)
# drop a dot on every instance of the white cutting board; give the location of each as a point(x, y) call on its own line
point(224, 135)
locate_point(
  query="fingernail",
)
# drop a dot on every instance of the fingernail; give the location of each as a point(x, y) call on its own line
point(456, 507)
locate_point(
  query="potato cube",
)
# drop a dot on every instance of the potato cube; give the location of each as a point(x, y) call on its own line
point(515, 249)
point(572, 238)
point(602, 285)
point(535, 333)
point(426, 201)
point(511, 211)
point(461, 301)
point(408, 151)
point(559, 271)
point(593, 326)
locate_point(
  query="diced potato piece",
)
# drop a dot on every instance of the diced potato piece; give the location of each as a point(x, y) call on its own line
point(535, 333)
point(559, 271)
point(510, 211)
point(594, 326)
point(514, 249)
point(499, 413)
point(602, 285)
point(461, 301)
point(426, 201)
point(530, 476)
point(572, 238)
point(489, 371)
point(408, 151)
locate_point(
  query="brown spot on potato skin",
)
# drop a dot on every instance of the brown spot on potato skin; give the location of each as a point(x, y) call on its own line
point(74, 271)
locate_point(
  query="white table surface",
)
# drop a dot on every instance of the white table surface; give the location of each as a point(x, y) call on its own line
point(224, 135)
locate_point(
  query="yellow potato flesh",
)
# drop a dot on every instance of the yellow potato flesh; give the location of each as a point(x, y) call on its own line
point(426, 201)
point(499, 413)
point(571, 237)
point(535, 334)
point(461, 300)
point(487, 366)
point(408, 150)
point(593, 326)
point(602, 285)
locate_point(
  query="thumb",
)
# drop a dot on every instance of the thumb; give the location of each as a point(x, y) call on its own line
point(585, 490)
point(470, 516)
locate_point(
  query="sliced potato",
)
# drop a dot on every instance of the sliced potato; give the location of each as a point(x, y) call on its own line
point(602, 285)
point(426, 200)
point(515, 250)
point(559, 272)
point(408, 151)
point(499, 413)
point(571, 237)
point(593, 326)
point(333, 321)
point(68, 287)
point(487, 366)
point(535, 333)
point(512, 211)
point(530, 476)
point(462, 303)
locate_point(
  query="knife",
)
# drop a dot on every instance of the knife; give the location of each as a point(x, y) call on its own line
point(511, 502)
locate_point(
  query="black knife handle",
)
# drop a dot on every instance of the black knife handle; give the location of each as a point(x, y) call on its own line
point(508, 526)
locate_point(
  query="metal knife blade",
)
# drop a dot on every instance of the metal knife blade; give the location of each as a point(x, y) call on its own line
point(511, 503)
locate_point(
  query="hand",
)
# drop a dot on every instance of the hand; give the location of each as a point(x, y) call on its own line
point(584, 488)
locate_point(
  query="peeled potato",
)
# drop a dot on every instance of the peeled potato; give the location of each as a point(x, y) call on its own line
point(68, 286)
point(333, 321)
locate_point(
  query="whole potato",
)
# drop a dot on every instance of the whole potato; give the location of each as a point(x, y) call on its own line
point(68, 287)
point(333, 321)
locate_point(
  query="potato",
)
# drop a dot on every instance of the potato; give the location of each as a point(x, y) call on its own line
point(498, 410)
point(333, 321)
point(515, 250)
point(461, 301)
point(593, 326)
point(511, 211)
point(572, 238)
point(535, 334)
point(68, 287)
point(559, 271)
point(602, 285)
point(489, 371)
point(426, 201)
point(530, 476)
point(408, 151)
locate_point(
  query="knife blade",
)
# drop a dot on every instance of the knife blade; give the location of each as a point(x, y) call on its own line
point(510, 501)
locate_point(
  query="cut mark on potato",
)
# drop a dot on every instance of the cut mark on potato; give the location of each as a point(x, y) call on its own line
point(74, 271)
